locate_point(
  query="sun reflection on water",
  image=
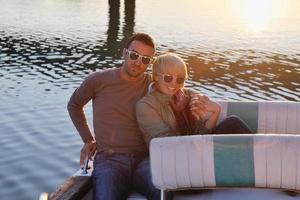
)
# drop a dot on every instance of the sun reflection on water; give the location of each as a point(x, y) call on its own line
point(258, 15)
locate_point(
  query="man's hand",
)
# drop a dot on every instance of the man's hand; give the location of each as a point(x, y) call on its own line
point(88, 150)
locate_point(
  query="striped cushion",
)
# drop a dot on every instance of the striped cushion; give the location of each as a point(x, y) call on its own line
point(265, 116)
point(260, 160)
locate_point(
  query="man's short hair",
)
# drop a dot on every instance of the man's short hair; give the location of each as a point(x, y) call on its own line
point(141, 37)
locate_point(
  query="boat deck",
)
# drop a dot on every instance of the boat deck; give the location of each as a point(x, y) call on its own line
point(222, 194)
point(79, 187)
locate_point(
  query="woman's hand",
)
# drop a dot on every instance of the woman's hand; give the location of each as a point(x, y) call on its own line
point(205, 109)
point(198, 105)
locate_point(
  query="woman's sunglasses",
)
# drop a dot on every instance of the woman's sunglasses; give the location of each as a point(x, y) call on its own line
point(169, 78)
point(134, 56)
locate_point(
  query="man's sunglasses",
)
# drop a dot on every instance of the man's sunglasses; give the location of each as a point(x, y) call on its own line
point(134, 56)
point(169, 78)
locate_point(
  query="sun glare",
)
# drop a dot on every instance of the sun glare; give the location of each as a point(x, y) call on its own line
point(256, 14)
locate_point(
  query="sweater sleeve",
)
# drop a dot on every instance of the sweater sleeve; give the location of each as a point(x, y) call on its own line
point(151, 123)
point(81, 96)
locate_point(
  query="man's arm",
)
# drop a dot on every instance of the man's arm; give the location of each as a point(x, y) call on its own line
point(81, 96)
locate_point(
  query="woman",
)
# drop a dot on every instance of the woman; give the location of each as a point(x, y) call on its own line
point(165, 110)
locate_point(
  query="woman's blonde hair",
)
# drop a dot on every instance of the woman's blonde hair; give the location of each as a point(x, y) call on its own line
point(168, 61)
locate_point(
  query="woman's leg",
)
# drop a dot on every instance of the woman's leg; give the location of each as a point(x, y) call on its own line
point(142, 180)
point(232, 125)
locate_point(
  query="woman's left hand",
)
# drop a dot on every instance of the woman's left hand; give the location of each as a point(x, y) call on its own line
point(201, 105)
point(197, 105)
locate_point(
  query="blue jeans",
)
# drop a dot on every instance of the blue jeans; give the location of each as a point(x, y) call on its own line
point(115, 175)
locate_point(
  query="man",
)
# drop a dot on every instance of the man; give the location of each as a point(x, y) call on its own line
point(121, 161)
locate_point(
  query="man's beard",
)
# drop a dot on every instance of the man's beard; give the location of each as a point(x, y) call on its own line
point(132, 73)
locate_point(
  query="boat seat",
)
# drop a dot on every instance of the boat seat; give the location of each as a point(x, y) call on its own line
point(222, 161)
point(270, 159)
point(280, 117)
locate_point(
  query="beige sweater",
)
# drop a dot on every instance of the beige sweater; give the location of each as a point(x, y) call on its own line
point(156, 117)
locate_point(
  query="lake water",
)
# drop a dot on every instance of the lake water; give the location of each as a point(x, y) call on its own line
point(236, 49)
